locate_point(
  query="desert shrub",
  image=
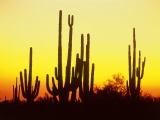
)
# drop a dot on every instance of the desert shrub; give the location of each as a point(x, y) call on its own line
point(113, 90)
point(46, 98)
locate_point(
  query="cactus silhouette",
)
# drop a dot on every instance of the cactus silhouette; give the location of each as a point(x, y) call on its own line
point(85, 92)
point(54, 91)
point(16, 92)
point(26, 86)
point(63, 92)
point(68, 67)
point(135, 91)
point(76, 77)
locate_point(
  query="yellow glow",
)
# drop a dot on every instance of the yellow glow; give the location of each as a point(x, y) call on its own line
point(34, 23)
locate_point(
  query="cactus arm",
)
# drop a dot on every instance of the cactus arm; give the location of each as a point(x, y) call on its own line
point(85, 80)
point(86, 66)
point(36, 90)
point(139, 64)
point(54, 88)
point(72, 80)
point(143, 65)
point(47, 84)
point(129, 64)
point(92, 79)
point(19, 92)
point(36, 87)
point(22, 86)
point(54, 91)
point(84, 76)
point(56, 74)
point(75, 74)
point(82, 46)
point(16, 89)
point(140, 76)
point(13, 93)
point(30, 72)
point(70, 22)
point(25, 79)
point(73, 97)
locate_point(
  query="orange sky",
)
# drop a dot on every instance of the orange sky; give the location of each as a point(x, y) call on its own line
point(34, 23)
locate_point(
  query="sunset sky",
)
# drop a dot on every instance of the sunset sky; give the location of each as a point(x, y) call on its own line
point(110, 23)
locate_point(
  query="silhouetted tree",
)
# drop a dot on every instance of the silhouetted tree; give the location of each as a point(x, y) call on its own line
point(112, 90)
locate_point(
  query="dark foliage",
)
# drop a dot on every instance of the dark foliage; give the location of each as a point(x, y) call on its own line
point(108, 102)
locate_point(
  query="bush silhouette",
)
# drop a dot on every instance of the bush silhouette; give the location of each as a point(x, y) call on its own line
point(45, 99)
point(113, 86)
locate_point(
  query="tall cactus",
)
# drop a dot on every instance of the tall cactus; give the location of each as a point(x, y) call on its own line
point(68, 67)
point(16, 92)
point(58, 74)
point(76, 79)
point(26, 85)
point(63, 92)
point(54, 92)
point(85, 92)
point(135, 91)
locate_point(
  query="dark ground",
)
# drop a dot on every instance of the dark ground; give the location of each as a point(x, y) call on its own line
point(94, 111)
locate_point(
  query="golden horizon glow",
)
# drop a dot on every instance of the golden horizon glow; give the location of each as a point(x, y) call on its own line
point(110, 23)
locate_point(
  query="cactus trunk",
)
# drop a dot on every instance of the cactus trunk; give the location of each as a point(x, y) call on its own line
point(26, 87)
point(16, 92)
point(132, 88)
point(85, 93)
point(76, 79)
point(63, 92)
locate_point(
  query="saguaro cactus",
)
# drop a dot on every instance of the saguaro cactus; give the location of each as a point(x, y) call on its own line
point(134, 91)
point(16, 92)
point(85, 92)
point(63, 92)
point(76, 79)
point(26, 85)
